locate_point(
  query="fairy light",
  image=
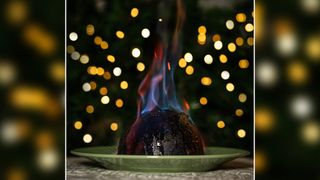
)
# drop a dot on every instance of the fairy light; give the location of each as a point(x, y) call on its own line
point(266, 73)
point(264, 119)
point(312, 46)
point(203, 101)
point(241, 133)
point(140, 67)
point(189, 70)
point(75, 55)
point(202, 29)
point(90, 109)
point(311, 132)
point(120, 34)
point(220, 124)
point(145, 33)
point(218, 45)
point(103, 91)
point(242, 97)
point(119, 103)
point(117, 71)
point(239, 112)
point(84, 59)
point(188, 57)
point(239, 41)
point(301, 106)
point(230, 87)
point(232, 47)
point(297, 72)
point(243, 64)
point(134, 12)
point(223, 58)
point(86, 87)
point(202, 39)
point(97, 40)
point(73, 36)
point(206, 81)
point(78, 125)
point(105, 99)
point(100, 71)
point(230, 24)
point(93, 85)
point(135, 52)
point(107, 75)
point(241, 17)
point(216, 37)
point(111, 58)
point(114, 126)
point(70, 49)
point(208, 59)
point(250, 41)
point(249, 27)
point(87, 138)
point(182, 63)
point(124, 85)
point(90, 29)
point(104, 45)
point(225, 75)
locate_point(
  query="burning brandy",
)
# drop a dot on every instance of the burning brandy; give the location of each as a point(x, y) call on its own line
point(163, 126)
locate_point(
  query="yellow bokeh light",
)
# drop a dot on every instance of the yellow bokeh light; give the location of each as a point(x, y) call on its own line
point(120, 34)
point(124, 85)
point(97, 40)
point(297, 72)
point(87, 138)
point(203, 101)
point(216, 37)
point(92, 70)
point(111, 58)
point(241, 133)
point(206, 81)
point(182, 63)
point(312, 47)
point(119, 103)
point(188, 57)
point(107, 75)
point(202, 39)
point(260, 161)
point(264, 119)
point(90, 109)
point(103, 91)
point(93, 85)
point(230, 87)
point(243, 64)
point(100, 71)
point(239, 112)
point(140, 67)
point(249, 27)
point(114, 126)
point(104, 45)
point(134, 12)
point(78, 125)
point(90, 29)
point(221, 124)
point(232, 47)
point(70, 49)
point(223, 58)
point(241, 17)
point(242, 97)
point(239, 41)
point(218, 45)
point(202, 29)
point(311, 132)
point(250, 41)
point(189, 70)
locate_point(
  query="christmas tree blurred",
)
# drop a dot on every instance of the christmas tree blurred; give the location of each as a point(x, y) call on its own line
point(110, 48)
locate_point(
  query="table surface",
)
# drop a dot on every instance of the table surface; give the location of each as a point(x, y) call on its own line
point(84, 169)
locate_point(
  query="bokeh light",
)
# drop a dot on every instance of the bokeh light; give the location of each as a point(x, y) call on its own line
point(87, 138)
point(206, 81)
point(78, 125)
point(134, 12)
point(135, 52)
point(145, 33)
point(124, 85)
point(208, 59)
point(114, 126)
point(225, 75)
point(203, 101)
point(218, 45)
point(189, 70)
point(241, 133)
point(73, 36)
point(105, 99)
point(220, 124)
point(140, 66)
point(117, 71)
point(230, 87)
point(119, 103)
point(223, 58)
point(182, 63)
point(120, 34)
point(188, 57)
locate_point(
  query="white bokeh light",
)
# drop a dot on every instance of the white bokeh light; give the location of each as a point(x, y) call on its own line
point(48, 160)
point(225, 75)
point(135, 52)
point(188, 57)
point(266, 73)
point(105, 99)
point(286, 43)
point(301, 106)
point(145, 33)
point(218, 45)
point(208, 59)
point(230, 24)
point(117, 71)
point(73, 36)
point(86, 87)
point(75, 55)
point(87, 138)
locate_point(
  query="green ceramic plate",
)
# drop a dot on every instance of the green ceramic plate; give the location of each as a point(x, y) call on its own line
point(106, 156)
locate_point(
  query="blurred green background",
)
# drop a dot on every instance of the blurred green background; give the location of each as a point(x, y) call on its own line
point(215, 72)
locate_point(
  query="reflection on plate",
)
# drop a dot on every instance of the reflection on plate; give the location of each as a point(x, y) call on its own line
point(107, 157)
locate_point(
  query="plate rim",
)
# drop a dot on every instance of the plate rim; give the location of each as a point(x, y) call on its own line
point(239, 153)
